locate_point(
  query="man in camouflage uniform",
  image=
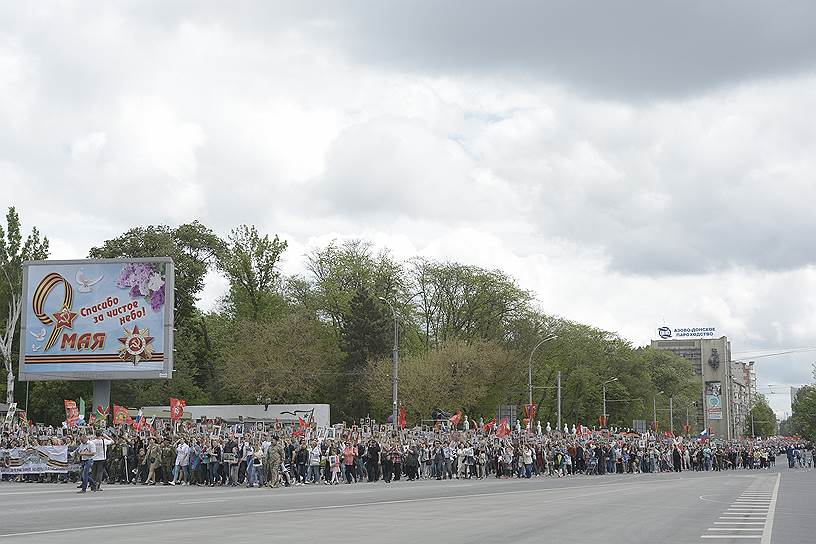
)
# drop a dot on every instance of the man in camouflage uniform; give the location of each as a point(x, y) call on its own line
point(274, 458)
point(168, 459)
point(116, 462)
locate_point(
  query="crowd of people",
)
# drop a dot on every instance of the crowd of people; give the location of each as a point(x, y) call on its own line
point(289, 457)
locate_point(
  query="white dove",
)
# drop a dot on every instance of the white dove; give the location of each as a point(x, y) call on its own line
point(84, 283)
point(40, 337)
point(35, 347)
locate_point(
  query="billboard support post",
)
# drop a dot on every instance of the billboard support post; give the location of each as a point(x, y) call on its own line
point(101, 394)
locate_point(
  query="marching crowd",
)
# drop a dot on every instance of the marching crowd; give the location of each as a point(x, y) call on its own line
point(272, 459)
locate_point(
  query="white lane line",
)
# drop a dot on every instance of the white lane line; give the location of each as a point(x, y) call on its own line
point(734, 529)
point(766, 534)
point(203, 501)
point(739, 523)
point(731, 536)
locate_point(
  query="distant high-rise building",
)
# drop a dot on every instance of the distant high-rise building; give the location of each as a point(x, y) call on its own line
point(729, 387)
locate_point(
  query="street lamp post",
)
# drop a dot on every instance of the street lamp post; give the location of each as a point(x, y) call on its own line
point(654, 410)
point(671, 415)
point(689, 405)
point(530, 369)
point(395, 364)
point(604, 399)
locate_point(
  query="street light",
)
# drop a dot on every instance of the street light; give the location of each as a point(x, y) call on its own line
point(530, 368)
point(604, 398)
point(654, 410)
point(395, 364)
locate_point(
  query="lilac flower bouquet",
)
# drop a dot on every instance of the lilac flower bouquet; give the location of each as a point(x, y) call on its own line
point(143, 280)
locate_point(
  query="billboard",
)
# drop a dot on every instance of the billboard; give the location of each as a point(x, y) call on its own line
point(713, 396)
point(97, 319)
point(671, 333)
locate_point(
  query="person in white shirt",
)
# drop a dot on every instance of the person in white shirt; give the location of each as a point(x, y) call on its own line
point(100, 443)
point(314, 463)
point(86, 452)
point(182, 461)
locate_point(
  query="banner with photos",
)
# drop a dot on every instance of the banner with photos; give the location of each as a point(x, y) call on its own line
point(36, 460)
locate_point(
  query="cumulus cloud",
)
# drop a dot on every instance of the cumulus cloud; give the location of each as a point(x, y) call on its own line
point(632, 163)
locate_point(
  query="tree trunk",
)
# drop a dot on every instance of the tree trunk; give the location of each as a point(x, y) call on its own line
point(10, 386)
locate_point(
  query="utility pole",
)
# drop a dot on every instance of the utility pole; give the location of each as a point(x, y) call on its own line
point(654, 410)
point(605, 415)
point(753, 433)
point(395, 365)
point(671, 415)
point(530, 369)
point(559, 398)
point(654, 414)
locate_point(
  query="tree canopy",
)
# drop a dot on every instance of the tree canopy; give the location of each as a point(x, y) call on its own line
point(465, 336)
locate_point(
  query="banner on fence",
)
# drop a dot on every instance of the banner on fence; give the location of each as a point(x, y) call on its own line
point(37, 460)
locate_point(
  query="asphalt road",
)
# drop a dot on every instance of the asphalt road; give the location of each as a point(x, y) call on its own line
point(743, 506)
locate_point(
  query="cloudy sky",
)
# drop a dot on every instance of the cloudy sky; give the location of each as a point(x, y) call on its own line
point(634, 163)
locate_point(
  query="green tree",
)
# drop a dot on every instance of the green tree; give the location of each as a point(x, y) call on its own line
point(250, 262)
point(289, 360)
point(761, 420)
point(803, 416)
point(367, 333)
point(471, 376)
point(466, 302)
point(192, 246)
point(13, 251)
point(338, 271)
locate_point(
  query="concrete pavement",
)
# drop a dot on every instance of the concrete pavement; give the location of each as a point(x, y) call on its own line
point(686, 507)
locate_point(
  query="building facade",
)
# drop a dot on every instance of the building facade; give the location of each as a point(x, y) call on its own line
point(728, 386)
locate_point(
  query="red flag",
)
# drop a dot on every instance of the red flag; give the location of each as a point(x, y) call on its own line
point(489, 425)
point(401, 417)
point(177, 408)
point(579, 430)
point(457, 417)
point(121, 416)
point(148, 424)
point(503, 429)
point(302, 423)
point(530, 411)
point(71, 412)
point(602, 421)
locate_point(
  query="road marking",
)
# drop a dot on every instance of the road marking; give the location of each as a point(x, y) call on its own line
point(731, 536)
point(766, 534)
point(734, 529)
point(203, 501)
point(751, 508)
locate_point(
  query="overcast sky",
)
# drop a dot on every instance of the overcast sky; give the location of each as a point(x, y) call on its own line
point(634, 163)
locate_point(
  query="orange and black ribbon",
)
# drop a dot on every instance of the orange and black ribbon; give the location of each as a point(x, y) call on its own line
point(38, 303)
